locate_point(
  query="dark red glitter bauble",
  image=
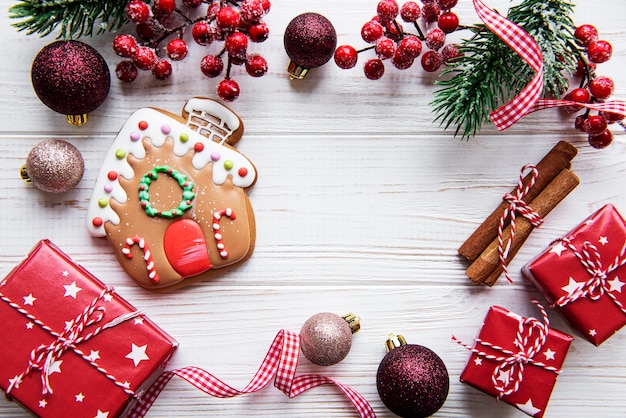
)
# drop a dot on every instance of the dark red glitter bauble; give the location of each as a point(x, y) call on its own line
point(412, 381)
point(70, 77)
point(310, 40)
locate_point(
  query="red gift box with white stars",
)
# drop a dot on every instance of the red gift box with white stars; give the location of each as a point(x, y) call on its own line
point(583, 274)
point(516, 360)
point(71, 346)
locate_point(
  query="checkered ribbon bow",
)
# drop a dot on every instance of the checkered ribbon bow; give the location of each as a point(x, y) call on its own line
point(509, 373)
point(280, 364)
point(529, 99)
point(598, 284)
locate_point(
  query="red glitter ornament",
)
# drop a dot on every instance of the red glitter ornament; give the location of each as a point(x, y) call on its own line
point(412, 380)
point(72, 78)
point(310, 41)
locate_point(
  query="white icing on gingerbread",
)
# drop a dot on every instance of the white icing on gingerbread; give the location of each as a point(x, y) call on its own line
point(157, 126)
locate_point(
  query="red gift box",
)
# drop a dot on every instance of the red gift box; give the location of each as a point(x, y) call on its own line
point(516, 359)
point(580, 274)
point(71, 347)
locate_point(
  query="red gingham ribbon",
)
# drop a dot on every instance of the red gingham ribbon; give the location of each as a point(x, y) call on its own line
point(530, 337)
point(516, 205)
point(280, 363)
point(529, 99)
point(597, 285)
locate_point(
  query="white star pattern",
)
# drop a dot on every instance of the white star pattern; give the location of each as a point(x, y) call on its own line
point(503, 376)
point(572, 286)
point(549, 354)
point(558, 248)
point(71, 290)
point(603, 240)
point(101, 414)
point(593, 332)
point(65, 273)
point(138, 320)
point(126, 384)
point(94, 355)
point(43, 403)
point(528, 407)
point(588, 222)
point(478, 361)
point(108, 297)
point(616, 285)
point(79, 397)
point(69, 325)
point(15, 382)
point(30, 325)
point(29, 300)
point(138, 354)
point(55, 367)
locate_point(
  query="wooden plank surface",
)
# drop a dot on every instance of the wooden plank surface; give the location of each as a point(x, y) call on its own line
point(361, 204)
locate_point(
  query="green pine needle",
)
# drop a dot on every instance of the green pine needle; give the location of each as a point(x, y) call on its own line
point(75, 18)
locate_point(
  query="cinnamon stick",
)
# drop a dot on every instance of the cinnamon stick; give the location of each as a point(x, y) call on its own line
point(559, 158)
point(486, 269)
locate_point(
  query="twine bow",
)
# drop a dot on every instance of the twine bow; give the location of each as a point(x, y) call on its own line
point(509, 373)
point(44, 357)
point(516, 204)
point(280, 364)
point(529, 98)
point(598, 284)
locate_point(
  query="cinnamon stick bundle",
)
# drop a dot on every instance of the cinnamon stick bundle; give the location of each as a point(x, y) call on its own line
point(557, 159)
point(486, 269)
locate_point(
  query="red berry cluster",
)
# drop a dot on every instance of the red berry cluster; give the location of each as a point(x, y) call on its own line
point(592, 88)
point(160, 26)
point(392, 43)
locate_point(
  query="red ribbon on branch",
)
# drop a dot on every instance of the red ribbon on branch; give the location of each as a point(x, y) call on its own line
point(280, 364)
point(529, 99)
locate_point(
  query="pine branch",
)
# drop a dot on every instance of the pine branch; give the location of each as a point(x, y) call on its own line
point(76, 18)
point(490, 73)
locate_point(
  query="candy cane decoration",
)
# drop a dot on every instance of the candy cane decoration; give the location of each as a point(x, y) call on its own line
point(147, 255)
point(217, 216)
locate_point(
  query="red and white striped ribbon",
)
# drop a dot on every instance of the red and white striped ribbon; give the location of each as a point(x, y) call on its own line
point(280, 364)
point(598, 284)
point(516, 204)
point(529, 99)
point(530, 338)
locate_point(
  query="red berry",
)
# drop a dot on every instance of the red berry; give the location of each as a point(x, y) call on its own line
point(448, 22)
point(192, 4)
point(410, 11)
point(211, 66)
point(346, 57)
point(387, 10)
point(596, 125)
point(601, 87)
point(435, 39)
point(446, 4)
point(394, 30)
point(402, 61)
point(251, 11)
point(125, 45)
point(162, 70)
point(431, 61)
point(385, 48)
point(228, 19)
point(580, 68)
point(228, 90)
point(177, 49)
point(579, 123)
point(599, 51)
point(372, 31)
point(374, 69)
point(410, 46)
point(164, 6)
point(579, 95)
point(236, 44)
point(601, 141)
point(137, 11)
point(259, 32)
point(202, 33)
point(450, 52)
point(430, 12)
point(149, 30)
point(585, 35)
point(145, 58)
point(256, 65)
point(126, 71)
point(613, 117)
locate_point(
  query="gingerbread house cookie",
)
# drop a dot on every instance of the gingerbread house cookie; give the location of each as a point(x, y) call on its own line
point(171, 196)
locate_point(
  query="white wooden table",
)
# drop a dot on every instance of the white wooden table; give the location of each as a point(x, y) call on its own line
point(361, 204)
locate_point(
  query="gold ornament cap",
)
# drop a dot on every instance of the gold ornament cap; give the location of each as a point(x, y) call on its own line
point(354, 322)
point(394, 341)
point(296, 72)
point(76, 120)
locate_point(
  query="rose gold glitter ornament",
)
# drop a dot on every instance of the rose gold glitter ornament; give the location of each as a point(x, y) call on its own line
point(53, 166)
point(326, 338)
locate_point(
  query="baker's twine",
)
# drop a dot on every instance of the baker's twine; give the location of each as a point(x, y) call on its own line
point(516, 204)
point(529, 340)
point(280, 364)
point(529, 98)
